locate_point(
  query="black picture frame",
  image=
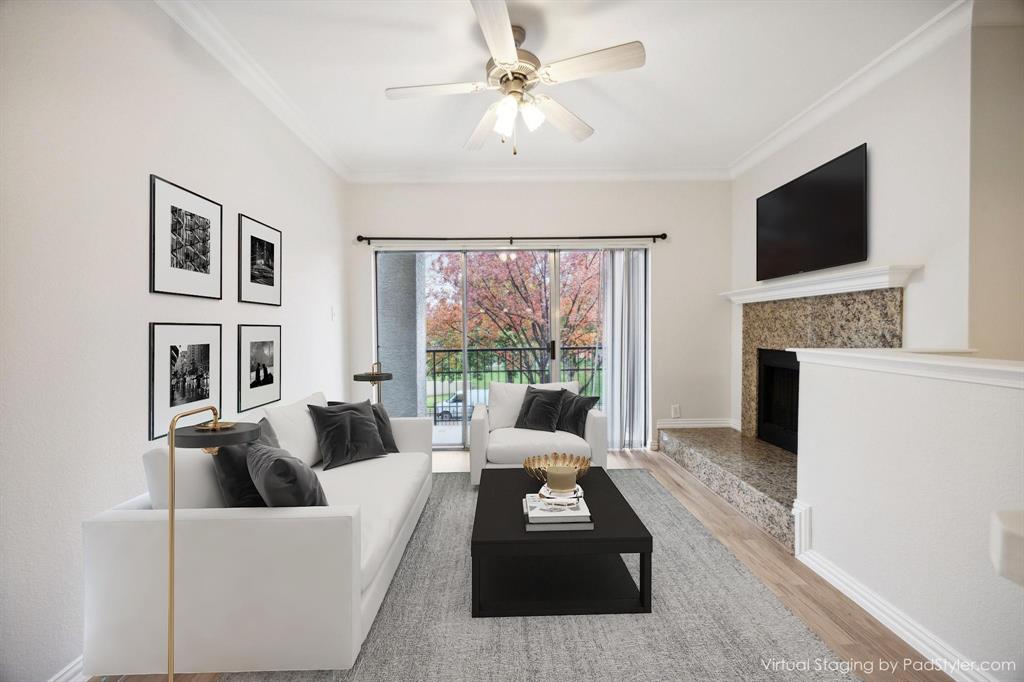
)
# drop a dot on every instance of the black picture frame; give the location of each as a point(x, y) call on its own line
point(244, 269)
point(154, 286)
point(242, 361)
point(153, 328)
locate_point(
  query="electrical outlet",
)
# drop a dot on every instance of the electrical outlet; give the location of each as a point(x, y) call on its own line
point(675, 412)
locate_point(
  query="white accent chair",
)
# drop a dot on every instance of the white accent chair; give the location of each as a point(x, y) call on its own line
point(286, 588)
point(495, 443)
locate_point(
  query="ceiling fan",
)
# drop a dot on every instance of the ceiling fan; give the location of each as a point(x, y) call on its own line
point(515, 73)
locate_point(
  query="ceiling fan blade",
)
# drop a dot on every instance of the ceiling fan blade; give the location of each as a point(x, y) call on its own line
point(497, 30)
point(563, 119)
point(483, 128)
point(432, 90)
point(629, 56)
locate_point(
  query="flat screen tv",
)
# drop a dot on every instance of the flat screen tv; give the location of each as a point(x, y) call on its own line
point(819, 220)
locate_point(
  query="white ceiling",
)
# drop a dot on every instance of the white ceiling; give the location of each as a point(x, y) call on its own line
point(720, 77)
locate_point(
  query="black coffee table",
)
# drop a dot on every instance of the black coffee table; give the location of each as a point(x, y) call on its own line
point(548, 573)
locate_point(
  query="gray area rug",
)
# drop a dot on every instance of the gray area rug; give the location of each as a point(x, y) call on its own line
point(712, 619)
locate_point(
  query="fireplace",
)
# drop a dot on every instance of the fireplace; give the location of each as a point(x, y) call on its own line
point(778, 397)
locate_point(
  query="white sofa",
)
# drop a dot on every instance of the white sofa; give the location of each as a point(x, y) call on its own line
point(495, 443)
point(256, 588)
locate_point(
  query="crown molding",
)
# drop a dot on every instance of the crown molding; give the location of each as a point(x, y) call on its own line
point(535, 175)
point(196, 20)
point(72, 672)
point(942, 27)
point(830, 282)
point(200, 23)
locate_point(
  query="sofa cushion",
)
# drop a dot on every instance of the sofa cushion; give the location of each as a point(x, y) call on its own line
point(384, 489)
point(512, 446)
point(294, 427)
point(505, 401)
point(195, 480)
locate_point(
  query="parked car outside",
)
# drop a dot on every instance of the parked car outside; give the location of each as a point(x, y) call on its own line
point(453, 407)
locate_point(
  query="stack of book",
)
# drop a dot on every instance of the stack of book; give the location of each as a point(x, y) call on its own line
point(539, 517)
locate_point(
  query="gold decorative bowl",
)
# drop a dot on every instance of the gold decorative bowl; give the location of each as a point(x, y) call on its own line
point(537, 465)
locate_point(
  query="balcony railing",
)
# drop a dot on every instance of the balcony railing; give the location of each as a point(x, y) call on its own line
point(444, 388)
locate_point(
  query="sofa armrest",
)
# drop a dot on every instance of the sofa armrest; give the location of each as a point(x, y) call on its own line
point(413, 434)
point(596, 434)
point(247, 589)
point(479, 434)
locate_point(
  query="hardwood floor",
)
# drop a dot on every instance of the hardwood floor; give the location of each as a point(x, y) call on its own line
point(852, 633)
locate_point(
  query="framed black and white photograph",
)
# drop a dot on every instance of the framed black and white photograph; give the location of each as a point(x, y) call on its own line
point(184, 372)
point(259, 262)
point(185, 242)
point(259, 365)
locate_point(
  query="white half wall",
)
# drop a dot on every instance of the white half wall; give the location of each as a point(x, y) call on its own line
point(689, 322)
point(903, 459)
point(917, 127)
point(95, 97)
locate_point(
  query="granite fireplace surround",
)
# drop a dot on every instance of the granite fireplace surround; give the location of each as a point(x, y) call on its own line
point(859, 319)
point(759, 479)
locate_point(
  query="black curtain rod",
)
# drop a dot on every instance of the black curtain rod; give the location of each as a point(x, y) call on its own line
point(511, 240)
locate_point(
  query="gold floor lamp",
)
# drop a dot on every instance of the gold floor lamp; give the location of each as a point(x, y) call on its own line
point(375, 376)
point(210, 436)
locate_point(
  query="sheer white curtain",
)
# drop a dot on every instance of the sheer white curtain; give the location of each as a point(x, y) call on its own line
point(625, 346)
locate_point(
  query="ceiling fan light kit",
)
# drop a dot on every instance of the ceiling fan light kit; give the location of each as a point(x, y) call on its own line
point(516, 72)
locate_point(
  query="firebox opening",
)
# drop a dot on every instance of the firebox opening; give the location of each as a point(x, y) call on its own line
point(778, 397)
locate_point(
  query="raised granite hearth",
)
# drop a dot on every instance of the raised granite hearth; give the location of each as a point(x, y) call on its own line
point(859, 319)
point(755, 477)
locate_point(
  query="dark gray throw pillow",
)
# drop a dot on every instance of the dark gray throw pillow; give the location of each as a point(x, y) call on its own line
point(540, 409)
point(387, 436)
point(346, 433)
point(283, 480)
point(573, 416)
point(231, 467)
point(380, 415)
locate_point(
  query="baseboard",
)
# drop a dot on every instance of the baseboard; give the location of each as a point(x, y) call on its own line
point(735, 424)
point(693, 423)
point(72, 672)
point(956, 665)
point(801, 527)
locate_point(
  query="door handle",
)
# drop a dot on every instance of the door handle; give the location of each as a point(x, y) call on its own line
point(551, 348)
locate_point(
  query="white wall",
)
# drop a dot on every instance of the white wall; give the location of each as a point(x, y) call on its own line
point(917, 128)
point(689, 322)
point(901, 474)
point(997, 203)
point(95, 97)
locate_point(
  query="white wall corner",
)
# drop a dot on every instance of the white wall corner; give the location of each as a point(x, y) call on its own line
point(200, 23)
point(929, 645)
point(735, 424)
point(72, 672)
point(801, 527)
point(923, 41)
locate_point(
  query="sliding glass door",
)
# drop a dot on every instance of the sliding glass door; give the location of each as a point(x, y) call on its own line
point(451, 322)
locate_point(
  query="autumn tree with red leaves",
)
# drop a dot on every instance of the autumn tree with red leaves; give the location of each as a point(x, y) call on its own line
point(507, 308)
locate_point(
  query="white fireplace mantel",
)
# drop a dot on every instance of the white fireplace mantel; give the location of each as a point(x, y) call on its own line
point(843, 281)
